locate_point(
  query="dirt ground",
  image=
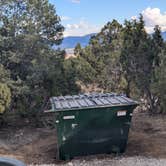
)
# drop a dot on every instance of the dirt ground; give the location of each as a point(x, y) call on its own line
point(147, 138)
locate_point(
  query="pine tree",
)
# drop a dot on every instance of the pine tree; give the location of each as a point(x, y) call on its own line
point(28, 30)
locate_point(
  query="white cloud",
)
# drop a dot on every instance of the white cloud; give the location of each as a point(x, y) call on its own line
point(134, 17)
point(65, 18)
point(80, 29)
point(75, 1)
point(152, 17)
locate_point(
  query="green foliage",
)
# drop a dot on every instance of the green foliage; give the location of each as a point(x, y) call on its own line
point(126, 59)
point(4, 74)
point(77, 50)
point(79, 69)
point(31, 17)
point(139, 59)
point(159, 85)
point(118, 58)
point(134, 52)
point(34, 70)
point(5, 92)
point(5, 97)
point(103, 50)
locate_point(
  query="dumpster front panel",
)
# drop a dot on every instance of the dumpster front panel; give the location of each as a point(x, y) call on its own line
point(93, 131)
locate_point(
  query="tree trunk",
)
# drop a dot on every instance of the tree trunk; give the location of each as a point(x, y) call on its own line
point(128, 91)
point(151, 101)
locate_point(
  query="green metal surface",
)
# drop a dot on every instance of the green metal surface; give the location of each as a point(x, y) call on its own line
point(93, 131)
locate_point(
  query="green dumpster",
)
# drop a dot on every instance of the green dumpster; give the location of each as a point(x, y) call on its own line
point(93, 123)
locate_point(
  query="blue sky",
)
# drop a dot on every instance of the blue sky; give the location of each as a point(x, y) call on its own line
point(81, 17)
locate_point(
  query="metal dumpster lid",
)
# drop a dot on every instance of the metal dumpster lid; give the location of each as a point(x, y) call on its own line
point(90, 100)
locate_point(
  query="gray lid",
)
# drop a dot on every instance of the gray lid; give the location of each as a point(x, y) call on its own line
point(90, 100)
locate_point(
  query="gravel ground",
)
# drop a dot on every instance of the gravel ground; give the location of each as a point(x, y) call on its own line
point(37, 146)
point(118, 161)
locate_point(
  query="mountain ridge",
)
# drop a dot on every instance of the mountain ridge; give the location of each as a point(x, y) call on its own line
point(164, 35)
point(71, 41)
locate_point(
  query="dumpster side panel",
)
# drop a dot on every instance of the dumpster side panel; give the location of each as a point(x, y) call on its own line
point(93, 131)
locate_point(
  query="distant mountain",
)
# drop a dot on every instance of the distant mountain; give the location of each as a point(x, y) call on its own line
point(71, 41)
point(164, 35)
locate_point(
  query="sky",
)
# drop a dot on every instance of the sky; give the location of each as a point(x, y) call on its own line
point(81, 17)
